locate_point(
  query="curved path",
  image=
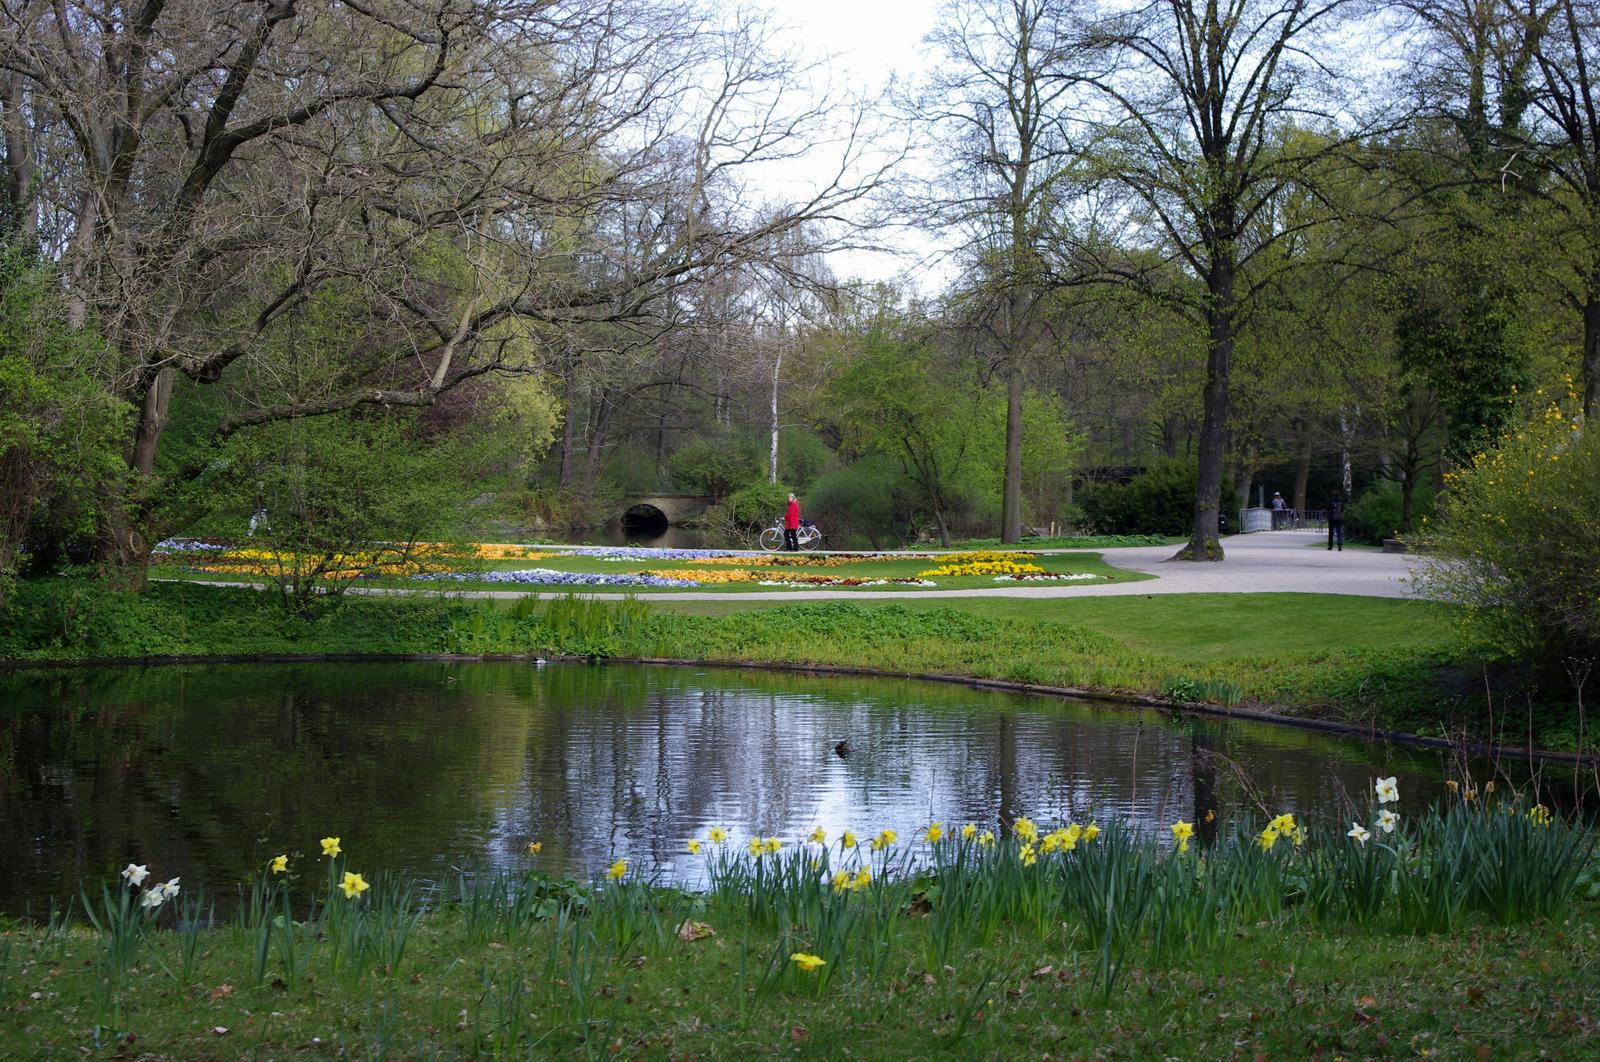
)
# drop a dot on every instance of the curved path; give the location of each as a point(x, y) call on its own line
point(1267, 562)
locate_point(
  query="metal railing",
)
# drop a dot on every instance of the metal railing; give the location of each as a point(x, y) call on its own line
point(1259, 519)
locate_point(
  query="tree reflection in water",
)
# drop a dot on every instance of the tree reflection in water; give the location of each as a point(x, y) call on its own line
point(207, 771)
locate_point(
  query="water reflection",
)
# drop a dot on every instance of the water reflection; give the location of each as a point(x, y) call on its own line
point(208, 771)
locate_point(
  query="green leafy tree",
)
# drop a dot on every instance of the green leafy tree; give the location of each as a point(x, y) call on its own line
point(60, 428)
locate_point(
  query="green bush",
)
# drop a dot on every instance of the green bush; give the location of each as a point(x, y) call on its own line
point(1518, 544)
point(757, 505)
point(868, 499)
point(1159, 502)
point(1377, 513)
point(715, 467)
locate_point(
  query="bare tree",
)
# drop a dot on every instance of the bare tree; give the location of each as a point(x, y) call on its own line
point(996, 108)
point(1566, 139)
point(1201, 96)
point(468, 175)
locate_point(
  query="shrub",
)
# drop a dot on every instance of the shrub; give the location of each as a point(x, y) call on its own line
point(715, 467)
point(757, 505)
point(1159, 502)
point(1377, 513)
point(869, 498)
point(1518, 544)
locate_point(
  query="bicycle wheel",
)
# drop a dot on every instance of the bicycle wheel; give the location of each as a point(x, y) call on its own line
point(772, 540)
point(810, 539)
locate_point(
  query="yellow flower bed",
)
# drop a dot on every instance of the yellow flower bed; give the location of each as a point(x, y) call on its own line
point(731, 575)
point(995, 567)
point(420, 557)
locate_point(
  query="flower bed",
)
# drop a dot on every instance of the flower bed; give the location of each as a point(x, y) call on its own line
point(1047, 577)
point(551, 577)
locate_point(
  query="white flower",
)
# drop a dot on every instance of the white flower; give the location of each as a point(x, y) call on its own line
point(1386, 820)
point(169, 890)
point(1387, 790)
point(1359, 832)
point(135, 874)
point(152, 898)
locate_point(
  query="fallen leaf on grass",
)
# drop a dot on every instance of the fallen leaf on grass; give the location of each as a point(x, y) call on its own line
point(691, 930)
point(799, 1034)
point(222, 991)
point(1044, 971)
point(219, 1030)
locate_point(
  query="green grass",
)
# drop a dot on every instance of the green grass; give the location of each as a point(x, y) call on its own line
point(1366, 661)
point(1331, 949)
point(1197, 628)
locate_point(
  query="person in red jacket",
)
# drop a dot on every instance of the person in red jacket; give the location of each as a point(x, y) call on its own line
point(791, 524)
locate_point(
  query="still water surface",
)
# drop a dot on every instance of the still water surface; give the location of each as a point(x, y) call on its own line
point(207, 771)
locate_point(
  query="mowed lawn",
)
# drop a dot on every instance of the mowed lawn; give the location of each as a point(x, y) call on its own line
point(1204, 627)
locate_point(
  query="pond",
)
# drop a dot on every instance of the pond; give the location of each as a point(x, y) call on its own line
point(208, 771)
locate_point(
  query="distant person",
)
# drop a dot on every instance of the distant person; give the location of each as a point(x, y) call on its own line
point(791, 524)
point(1336, 521)
point(258, 510)
point(1280, 509)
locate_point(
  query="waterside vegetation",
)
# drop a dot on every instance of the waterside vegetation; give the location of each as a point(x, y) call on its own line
point(1469, 927)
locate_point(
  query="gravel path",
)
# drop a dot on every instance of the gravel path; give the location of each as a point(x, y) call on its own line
point(1267, 562)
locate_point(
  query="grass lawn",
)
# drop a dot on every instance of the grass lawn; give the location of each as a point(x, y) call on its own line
point(1204, 627)
point(467, 985)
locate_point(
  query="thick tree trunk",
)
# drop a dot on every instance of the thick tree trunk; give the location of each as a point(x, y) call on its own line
point(1203, 544)
point(1302, 475)
point(1011, 506)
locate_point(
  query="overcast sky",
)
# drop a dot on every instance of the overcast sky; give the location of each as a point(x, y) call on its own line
point(866, 42)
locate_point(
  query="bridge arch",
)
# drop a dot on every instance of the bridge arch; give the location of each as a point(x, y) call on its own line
point(644, 517)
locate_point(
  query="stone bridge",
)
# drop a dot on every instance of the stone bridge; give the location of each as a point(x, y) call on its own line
point(657, 511)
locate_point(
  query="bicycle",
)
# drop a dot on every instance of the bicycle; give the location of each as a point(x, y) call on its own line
point(808, 537)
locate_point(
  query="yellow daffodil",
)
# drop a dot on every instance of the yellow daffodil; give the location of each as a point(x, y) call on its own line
point(934, 832)
point(535, 847)
point(754, 846)
point(771, 846)
point(1182, 831)
point(863, 878)
point(806, 962)
point(717, 835)
point(1025, 830)
point(1284, 824)
point(1539, 815)
point(969, 831)
point(986, 838)
point(818, 836)
point(883, 840)
point(619, 868)
point(1027, 855)
point(279, 864)
point(330, 847)
point(694, 846)
point(1090, 832)
point(353, 885)
point(841, 881)
point(848, 840)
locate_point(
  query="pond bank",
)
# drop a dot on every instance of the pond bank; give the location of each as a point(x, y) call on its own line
point(1394, 669)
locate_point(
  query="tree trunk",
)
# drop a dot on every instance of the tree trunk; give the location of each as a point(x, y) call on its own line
point(1591, 349)
point(1302, 472)
point(1203, 544)
point(777, 374)
point(569, 427)
point(1011, 507)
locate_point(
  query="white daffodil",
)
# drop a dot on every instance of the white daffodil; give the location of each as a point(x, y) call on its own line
point(134, 874)
point(1388, 791)
point(1386, 820)
point(152, 898)
point(1359, 832)
point(169, 890)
